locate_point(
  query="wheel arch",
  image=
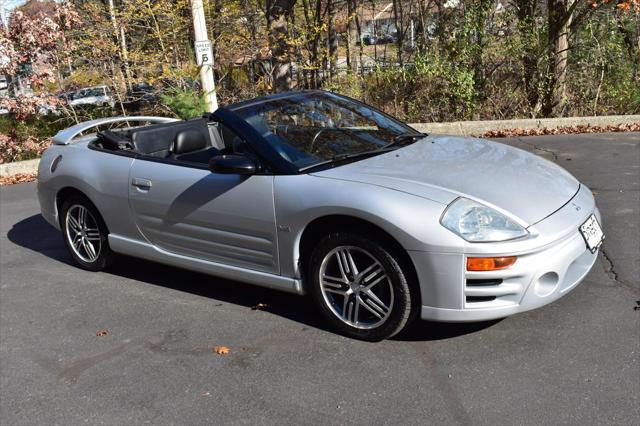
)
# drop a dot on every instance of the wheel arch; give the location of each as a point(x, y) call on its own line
point(323, 225)
point(68, 191)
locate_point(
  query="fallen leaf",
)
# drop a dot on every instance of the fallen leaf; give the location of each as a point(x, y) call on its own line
point(259, 307)
point(102, 333)
point(18, 178)
point(506, 133)
point(221, 350)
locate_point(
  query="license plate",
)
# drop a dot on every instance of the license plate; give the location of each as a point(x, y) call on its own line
point(592, 233)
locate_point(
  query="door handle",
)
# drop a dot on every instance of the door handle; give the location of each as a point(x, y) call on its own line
point(143, 184)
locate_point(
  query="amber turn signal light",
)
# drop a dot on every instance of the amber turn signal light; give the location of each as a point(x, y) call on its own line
point(489, 263)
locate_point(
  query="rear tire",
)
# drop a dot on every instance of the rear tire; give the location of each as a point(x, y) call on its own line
point(360, 286)
point(85, 234)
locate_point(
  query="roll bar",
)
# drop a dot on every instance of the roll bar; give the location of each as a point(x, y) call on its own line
point(66, 136)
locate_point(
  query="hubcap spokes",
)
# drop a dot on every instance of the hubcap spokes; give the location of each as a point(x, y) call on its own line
point(356, 287)
point(83, 233)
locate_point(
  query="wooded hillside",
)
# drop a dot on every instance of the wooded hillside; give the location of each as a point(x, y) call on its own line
point(422, 60)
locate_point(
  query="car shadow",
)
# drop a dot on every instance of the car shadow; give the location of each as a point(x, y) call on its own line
point(35, 234)
point(210, 187)
point(421, 330)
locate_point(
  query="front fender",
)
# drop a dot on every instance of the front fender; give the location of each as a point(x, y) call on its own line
point(300, 199)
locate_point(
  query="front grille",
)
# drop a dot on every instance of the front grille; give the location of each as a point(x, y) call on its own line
point(492, 291)
point(477, 299)
point(483, 282)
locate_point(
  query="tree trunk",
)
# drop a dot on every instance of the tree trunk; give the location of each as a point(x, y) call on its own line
point(215, 30)
point(480, 11)
point(315, 50)
point(526, 10)
point(332, 38)
point(631, 43)
point(352, 36)
point(398, 17)
point(559, 15)
point(119, 34)
point(278, 34)
point(156, 27)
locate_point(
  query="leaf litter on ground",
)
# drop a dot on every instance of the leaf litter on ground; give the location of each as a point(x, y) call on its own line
point(221, 350)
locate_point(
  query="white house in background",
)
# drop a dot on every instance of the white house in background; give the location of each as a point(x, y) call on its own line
point(4, 81)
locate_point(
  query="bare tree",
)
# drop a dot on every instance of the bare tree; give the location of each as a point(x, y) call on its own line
point(352, 36)
point(332, 37)
point(119, 34)
point(277, 11)
point(560, 14)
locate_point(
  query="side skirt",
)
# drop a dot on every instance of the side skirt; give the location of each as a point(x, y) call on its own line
point(148, 251)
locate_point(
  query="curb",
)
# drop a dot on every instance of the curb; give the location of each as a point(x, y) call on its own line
point(27, 166)
point(479, 128)
point(458, 128)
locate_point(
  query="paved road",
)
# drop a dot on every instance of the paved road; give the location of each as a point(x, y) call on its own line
point(575, 361)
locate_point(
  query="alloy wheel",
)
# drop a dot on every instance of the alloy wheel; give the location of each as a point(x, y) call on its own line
point(356, 287)
point(83, 233)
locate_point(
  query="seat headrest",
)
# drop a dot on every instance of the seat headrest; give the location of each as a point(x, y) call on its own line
point(189, 140)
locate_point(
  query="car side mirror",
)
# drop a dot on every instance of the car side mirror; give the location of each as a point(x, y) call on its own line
point(232, 164)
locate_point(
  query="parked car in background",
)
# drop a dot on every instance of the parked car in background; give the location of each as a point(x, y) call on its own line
point(384, 38)
point(389, 38)
point(66, 96)
point(97, 96)
point(311, 192)
point(369, 39)
point(140, 96)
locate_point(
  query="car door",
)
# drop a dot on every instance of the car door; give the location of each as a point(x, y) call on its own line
point(193, 212)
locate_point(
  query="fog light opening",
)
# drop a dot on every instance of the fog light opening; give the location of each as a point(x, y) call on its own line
point(546, 284)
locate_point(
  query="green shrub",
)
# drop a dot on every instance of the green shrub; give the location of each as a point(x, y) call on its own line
point(184, 103)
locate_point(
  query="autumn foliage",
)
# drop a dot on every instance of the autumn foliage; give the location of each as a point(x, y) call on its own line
point(444, 60)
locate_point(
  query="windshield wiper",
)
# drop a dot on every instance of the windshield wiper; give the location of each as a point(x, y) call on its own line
point(405, 137)
point(343, 157)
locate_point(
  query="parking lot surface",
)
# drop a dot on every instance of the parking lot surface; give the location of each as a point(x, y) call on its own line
point(575, 361)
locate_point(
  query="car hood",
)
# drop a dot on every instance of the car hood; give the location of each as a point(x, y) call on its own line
point(441, 168)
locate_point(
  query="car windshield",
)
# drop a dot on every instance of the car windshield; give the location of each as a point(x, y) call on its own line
point(85, 93)
point(311, 128)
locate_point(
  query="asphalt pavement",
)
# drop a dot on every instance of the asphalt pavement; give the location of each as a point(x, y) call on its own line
point(576, 361)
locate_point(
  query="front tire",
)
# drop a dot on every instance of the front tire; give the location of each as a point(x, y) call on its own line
point(361, 286)
point(85, 234)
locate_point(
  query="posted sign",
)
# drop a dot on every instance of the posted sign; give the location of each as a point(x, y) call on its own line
point(204, 54)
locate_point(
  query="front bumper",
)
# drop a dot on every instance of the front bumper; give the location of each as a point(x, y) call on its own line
point(542, 273)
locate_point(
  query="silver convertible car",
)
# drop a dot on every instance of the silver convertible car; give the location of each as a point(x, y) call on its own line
point(314, 193)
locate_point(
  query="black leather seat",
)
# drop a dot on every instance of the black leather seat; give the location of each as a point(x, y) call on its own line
point(158, 140)
point(193, 146)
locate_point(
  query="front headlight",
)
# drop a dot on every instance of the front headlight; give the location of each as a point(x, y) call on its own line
point(476, 222)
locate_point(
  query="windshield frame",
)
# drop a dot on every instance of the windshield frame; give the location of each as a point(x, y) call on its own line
point(311, 167)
